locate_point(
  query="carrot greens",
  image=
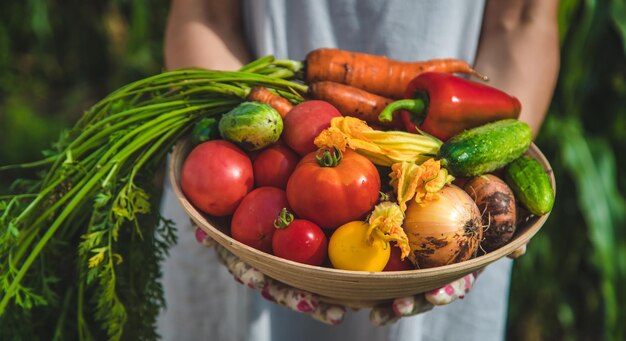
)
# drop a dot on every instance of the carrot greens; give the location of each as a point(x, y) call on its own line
point(80, 246)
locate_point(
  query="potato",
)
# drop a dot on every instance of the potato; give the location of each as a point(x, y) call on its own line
point(496, 202)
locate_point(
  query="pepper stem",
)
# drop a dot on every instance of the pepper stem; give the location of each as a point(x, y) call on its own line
point(416, 106)
point(284, 219)
point(328, 158)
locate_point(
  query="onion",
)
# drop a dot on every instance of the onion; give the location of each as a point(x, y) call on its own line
point(444, 231)
point(496, 201)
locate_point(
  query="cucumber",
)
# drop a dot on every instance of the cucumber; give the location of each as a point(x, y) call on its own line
point(486, 148)
point(530, 184)
point(205, 130)
point(251, 125)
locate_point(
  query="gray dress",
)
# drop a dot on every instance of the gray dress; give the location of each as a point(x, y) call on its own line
point(205, 303)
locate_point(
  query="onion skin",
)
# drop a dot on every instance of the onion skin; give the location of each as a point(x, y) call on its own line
point(445, 231)
point(496, 201)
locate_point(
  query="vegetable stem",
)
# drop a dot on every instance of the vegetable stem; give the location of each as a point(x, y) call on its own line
point(416, 106)
point(44, 239)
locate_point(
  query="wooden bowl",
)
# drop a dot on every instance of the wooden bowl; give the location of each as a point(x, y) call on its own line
point(355, 289)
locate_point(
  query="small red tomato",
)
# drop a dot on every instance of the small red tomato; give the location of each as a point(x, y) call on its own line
point(253, 221)
point(299, 240)
point(274, 165)
point(395, 262)
point(460, 181)
point(215, 177)
point(334, 193)
point(304, 122)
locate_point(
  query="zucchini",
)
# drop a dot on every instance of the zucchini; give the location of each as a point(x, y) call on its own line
point(530, 184)
point(485, 148)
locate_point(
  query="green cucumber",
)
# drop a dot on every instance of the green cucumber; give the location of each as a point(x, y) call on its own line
point(485, 148)
point(205, 130)
point(251, 125)
point(530, 184)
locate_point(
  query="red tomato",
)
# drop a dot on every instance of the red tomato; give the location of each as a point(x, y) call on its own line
point(395, 263)
point(333, 196)
point(274, 166)
point(253, 221)
point(301, 241)
point(460, 181)
point(304, 122)
point(215, 177)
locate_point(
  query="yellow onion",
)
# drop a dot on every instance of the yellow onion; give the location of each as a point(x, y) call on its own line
point(444, 231)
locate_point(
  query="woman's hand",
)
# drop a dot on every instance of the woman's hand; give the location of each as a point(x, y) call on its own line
point(292, 298)
point(308, 303)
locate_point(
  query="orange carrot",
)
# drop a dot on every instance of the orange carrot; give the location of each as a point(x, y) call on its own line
point(276, 101)
point(376, 74)
point(351, 101)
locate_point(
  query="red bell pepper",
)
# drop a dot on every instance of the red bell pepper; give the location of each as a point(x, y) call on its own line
point(443, 105)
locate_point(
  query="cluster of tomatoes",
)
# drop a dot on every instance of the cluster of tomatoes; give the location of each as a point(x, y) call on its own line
point(289, 198)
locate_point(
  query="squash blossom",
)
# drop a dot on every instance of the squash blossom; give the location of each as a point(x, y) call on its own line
point(421, 182)
point(385, 223)
point(383, 148)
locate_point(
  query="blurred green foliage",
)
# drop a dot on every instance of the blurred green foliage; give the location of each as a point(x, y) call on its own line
point(572, 283)
point(58, 58)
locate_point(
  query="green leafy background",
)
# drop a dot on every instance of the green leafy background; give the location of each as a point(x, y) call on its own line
point(58, 58)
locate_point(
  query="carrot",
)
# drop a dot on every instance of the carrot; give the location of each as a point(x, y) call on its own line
point(376, 74)
point(274, 100)
point(351, 101)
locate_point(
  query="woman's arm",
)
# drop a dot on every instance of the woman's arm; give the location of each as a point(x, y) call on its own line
point(519, 51)
point(204, 33)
